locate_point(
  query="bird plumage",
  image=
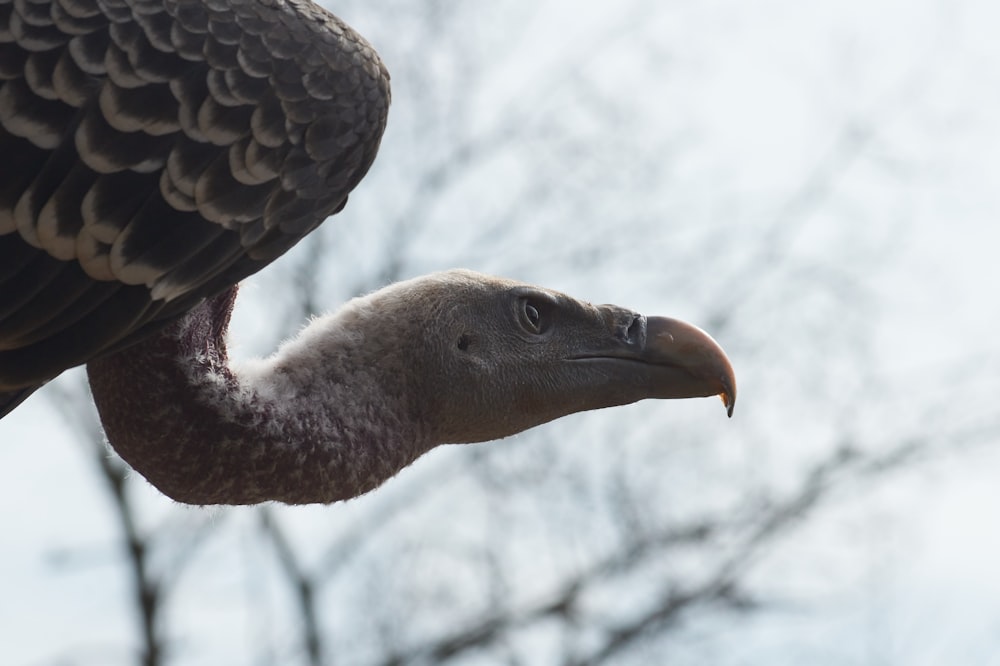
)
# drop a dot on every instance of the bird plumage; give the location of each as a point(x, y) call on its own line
point(158, 151)
point(153, 153)
point(359, 394)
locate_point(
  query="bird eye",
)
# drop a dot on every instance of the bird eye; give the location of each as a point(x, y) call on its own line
point(530, 317)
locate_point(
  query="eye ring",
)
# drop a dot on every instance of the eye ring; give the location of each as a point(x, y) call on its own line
point(531, 316)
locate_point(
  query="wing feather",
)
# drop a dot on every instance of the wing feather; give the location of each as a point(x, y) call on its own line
point(158, 151)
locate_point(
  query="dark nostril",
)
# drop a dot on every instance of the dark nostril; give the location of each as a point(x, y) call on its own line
point(635, 328)
point(634, 332)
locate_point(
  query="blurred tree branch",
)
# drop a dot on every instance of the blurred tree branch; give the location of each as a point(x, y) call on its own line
point(81, 417)
point(420, 539)
point(743, 536)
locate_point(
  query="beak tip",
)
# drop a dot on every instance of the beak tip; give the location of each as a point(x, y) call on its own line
point(728, 393)
point(686, 346)
point(729, 400)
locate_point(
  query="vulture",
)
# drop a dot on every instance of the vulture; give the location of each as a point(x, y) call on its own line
point(153, 153)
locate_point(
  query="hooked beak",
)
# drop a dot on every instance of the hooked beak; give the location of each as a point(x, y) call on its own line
point(703, 369)
point(654, 357)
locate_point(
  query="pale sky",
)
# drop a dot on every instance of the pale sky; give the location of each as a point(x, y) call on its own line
point(761, 93)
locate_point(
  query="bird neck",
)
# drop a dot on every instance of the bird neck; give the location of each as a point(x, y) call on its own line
point(174, 409)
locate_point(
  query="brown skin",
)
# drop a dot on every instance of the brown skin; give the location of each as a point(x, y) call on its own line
point(521, 356)
point(448, 358)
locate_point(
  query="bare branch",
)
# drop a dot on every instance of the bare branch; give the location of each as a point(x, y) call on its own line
point(82, 418)
point(303, 586)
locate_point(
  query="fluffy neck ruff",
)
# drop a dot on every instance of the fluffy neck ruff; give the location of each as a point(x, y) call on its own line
point(304, 426)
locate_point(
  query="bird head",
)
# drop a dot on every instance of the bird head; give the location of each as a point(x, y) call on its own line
point(486, 357)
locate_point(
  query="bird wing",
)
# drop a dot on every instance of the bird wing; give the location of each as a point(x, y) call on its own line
point(154, 152)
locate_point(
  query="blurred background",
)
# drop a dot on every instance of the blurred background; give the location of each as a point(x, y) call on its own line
point(816, 184)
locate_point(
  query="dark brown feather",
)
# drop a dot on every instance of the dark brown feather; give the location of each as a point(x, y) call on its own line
point(158, 151)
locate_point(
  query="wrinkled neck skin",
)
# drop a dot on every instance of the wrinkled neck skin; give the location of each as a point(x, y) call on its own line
point(204, 433)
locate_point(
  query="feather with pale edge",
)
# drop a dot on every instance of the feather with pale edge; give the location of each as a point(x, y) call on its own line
point(158, 151)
